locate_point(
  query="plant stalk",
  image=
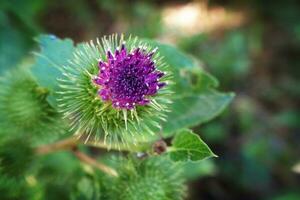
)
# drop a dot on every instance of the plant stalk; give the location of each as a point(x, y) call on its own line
point(91, 161)
point(66, 144)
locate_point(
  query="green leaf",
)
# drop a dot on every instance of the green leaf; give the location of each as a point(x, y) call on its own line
point(193, 109)
point(194, 170)
point(54, 54)
point(195, 99)
point(187, 71)
point(188, 146)
point(14, 43)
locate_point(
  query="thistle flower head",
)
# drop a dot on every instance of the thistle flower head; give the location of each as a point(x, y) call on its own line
point(128, 78)
point(115, 91)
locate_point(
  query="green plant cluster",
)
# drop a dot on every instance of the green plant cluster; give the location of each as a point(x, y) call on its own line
point(38, 161)
point(257, 139)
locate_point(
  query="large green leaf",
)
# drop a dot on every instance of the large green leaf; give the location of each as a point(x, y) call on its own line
point(14, 43)
point(195, 99)
point(190, 110)
point(54, 54)
point(188, 146)
point(193, 170)
point(187, 71)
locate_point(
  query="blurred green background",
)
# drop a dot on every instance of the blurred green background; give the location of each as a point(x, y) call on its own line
point(252, 47)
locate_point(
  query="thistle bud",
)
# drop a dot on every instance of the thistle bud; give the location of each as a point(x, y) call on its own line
point(115, 91)
point(24, 108)
point(154, 178)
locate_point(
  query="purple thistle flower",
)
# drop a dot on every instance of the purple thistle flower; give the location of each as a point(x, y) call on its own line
point(128, 79)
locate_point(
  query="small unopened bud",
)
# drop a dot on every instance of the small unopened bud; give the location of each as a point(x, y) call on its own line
point(159, 147)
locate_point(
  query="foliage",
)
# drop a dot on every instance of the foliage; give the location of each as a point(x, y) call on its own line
point(33, 97)
point(256, 139)
point(187, 146)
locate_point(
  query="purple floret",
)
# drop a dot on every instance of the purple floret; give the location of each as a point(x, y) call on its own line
point(128, 79)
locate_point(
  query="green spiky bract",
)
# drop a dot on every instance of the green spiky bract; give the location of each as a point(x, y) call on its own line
point(14, 189)
point(95, 120)
point(15, 156)
point(155, 178)
point(24, 108)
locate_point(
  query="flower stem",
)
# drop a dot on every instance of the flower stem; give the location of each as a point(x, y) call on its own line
point(91, 161)
point(69, 143)
point(120, 147)
point(65, 144)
